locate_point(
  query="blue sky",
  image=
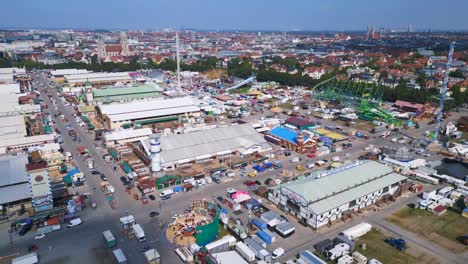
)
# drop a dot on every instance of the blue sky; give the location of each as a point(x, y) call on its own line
point(235, 14)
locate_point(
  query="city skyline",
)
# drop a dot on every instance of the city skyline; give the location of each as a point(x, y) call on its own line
point(240, 15)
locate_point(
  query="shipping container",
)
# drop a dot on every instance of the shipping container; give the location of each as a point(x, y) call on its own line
point(245, 251)
point(259, 223)
point(264, 236)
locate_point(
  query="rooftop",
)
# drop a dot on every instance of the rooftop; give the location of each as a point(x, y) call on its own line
point(119, 91)
point(13, 169)
point(297, 121)
point(343, 185)
point(147, 109)
point(286, 134)
point(210, 142)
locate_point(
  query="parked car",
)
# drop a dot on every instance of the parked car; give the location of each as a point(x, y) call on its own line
point(124, 180)
point(258, 182)
point(25, 229)
point(39, 236)
point(219, 198)
point(74, 222)
point(277, 253)
point(249, 183)
point(95, 172)
point(103, 177)
point(153, 214)
point(151, 197)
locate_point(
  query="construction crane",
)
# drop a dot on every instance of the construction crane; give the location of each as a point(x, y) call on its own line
point(443, 93)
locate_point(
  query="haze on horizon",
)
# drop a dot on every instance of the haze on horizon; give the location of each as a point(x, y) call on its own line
point(235, 15)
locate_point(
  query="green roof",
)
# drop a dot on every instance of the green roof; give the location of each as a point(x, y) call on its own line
point(126, 91)
point(344, 185)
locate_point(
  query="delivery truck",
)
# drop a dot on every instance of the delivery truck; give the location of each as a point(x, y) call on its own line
point(138, 232)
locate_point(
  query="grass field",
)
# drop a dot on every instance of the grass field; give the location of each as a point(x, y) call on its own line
point(444, 229)
point(378, 249)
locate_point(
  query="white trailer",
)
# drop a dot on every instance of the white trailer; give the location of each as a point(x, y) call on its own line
point(138, 232)
point(221, 244)
point(346, 259)
point(245, 251)
point(357, 231)
point(26, 259)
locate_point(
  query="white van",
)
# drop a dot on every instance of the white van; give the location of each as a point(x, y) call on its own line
point(310, 165)
point(74, 222)
point(166, 193)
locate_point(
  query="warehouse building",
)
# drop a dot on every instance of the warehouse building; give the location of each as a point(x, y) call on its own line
point(10, 104)
point(147, 112)
point(116, 94)
point(97, 79)
point(325, 198)
point(58, 76)
point(207, 145)
point(14, 186)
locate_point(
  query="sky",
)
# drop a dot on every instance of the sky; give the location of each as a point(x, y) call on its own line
point(284, 15)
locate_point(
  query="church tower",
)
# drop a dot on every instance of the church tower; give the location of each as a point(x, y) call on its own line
point(124, 44)
point(101, 50)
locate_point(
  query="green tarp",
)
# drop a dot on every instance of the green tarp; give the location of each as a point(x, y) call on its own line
point(157, 120)
point(126, 167)
point(114, 153)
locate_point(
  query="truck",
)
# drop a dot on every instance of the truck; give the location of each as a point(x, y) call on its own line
point(138, 232)
point(357, 231)
point(109, 238)
point(31, 258)
point(398, 243)
point(119, 256)
point(245, 251)
point(260, 252)
point(378, 129)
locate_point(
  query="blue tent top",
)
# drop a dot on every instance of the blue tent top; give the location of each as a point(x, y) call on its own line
point(285, 134)
point(73, 172)
point(258, 168)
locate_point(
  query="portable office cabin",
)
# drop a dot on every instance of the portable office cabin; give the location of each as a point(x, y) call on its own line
point(285, 229)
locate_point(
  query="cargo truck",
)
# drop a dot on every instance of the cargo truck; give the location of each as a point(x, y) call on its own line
point(138, 232)
point(109, 238)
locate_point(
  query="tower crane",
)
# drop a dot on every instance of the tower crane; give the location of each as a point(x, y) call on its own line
point(443, 92)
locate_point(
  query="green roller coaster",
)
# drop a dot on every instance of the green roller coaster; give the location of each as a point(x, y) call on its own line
point(366, 98)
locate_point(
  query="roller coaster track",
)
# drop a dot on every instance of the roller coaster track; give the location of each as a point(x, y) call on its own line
point(242, 83)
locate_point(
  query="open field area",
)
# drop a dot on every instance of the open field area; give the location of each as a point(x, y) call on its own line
point(378, 249)
point(443, 230)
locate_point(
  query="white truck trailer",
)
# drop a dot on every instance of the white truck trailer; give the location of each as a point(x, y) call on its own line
point(357, 231)
point(245, 251)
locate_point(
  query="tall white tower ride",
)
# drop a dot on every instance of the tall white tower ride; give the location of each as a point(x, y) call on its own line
point(155, 150)
point(178, 63)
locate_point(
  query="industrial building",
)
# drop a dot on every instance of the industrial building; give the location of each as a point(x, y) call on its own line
point(207, 145)
point(58, 76)
point(320, 199)
point(12, 127)
point(97, 79)
point(298, 123)
point(147, 112)
point(291, 139)
point(14, 187)
point(116, 94)
point(17, 144)
point(9, 101)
